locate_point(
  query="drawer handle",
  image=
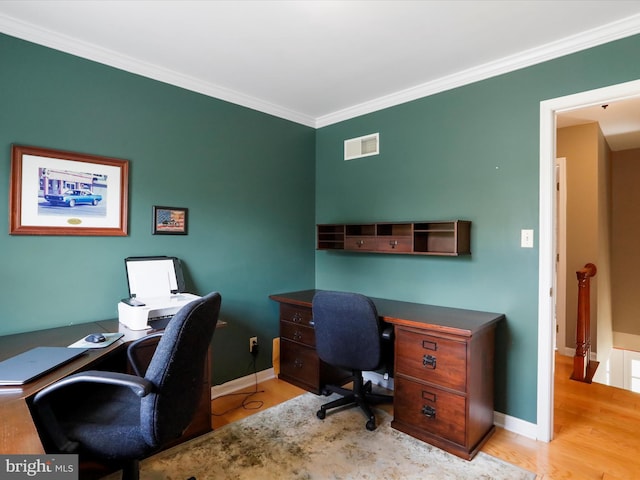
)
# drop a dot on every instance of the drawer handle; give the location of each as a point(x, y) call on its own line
point(393, 243)
point(428, 411)
point(429, 361)
point(296, 317)
point(360, 243)
point(297, 335)
point(297, 363)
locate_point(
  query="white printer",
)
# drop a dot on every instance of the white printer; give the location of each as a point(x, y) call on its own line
point(156, 291)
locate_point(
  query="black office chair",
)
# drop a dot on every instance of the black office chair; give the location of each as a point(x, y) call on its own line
point(123, 418)
point(349, 335)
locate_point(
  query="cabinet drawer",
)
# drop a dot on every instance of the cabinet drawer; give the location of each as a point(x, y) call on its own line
point(433, 359)
point(295, 314)
point(298, 333)
point(430, 409)
point(394, 244)
point(299, 362)
point(361, 242)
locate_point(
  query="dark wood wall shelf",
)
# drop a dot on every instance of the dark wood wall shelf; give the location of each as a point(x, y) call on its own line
point(448, 238)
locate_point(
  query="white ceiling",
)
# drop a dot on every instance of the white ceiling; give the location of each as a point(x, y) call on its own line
point(619, 122)
point(319, 62)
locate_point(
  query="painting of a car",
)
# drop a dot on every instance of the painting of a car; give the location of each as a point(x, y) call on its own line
point(71, 198)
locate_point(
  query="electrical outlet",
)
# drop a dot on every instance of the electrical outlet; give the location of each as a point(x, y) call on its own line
point(253, 342)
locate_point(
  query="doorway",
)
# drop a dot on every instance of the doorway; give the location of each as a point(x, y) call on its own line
point(547, 238)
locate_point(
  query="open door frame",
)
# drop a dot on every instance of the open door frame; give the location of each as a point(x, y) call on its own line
point(547, 240)
point(560, 285)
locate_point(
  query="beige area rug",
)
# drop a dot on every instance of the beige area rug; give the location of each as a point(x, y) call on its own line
point(288, 442)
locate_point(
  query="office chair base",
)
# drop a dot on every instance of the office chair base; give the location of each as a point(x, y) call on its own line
point(361, 396)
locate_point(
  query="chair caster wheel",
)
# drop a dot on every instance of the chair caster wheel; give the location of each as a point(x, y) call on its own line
point(321, 414)
point(371, 425)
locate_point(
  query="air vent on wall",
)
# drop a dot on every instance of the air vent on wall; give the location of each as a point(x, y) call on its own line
point(362, 146)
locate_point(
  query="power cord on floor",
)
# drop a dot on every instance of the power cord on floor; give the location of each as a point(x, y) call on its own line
point(246, 403)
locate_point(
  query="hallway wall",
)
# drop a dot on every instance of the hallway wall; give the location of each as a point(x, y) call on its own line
point(587, 226)
point(625, 228)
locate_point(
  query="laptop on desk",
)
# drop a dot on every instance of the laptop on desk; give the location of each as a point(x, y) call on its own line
point(34, 363)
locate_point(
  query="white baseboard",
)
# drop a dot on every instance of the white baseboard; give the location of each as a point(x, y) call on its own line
point(241, 383)
point(507, 422)
point(515, 425)
point(566, 351)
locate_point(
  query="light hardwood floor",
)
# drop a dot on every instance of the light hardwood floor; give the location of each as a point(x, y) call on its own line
point(596, 433)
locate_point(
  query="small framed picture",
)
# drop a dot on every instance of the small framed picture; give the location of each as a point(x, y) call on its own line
point(170, 220)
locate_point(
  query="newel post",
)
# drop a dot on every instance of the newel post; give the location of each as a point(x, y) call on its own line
point(581, 369)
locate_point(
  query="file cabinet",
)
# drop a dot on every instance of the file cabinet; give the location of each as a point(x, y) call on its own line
point(444, 387)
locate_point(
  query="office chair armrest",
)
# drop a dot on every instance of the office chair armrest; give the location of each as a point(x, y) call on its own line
point(140, 386)
point(134, 360)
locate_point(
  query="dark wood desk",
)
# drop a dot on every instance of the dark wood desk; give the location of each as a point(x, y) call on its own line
point(18, 434)
point(443, 372)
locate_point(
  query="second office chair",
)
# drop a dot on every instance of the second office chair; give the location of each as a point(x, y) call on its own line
point(349, 335)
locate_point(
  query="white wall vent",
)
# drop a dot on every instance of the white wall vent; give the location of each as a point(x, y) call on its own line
point(364, 146)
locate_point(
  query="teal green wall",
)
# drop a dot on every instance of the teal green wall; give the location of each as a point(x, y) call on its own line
point(247, 179)
point(471, 153)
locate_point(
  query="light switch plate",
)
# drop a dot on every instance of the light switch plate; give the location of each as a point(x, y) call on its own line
point(526, 238)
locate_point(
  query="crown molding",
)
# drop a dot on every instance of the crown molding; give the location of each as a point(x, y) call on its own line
point(90, 51)
point(575, 43)
point(607, 33)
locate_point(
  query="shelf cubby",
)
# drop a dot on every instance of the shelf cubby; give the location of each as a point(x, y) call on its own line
point(330, 237)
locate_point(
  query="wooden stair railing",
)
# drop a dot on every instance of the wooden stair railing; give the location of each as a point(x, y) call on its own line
point(583, 367)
